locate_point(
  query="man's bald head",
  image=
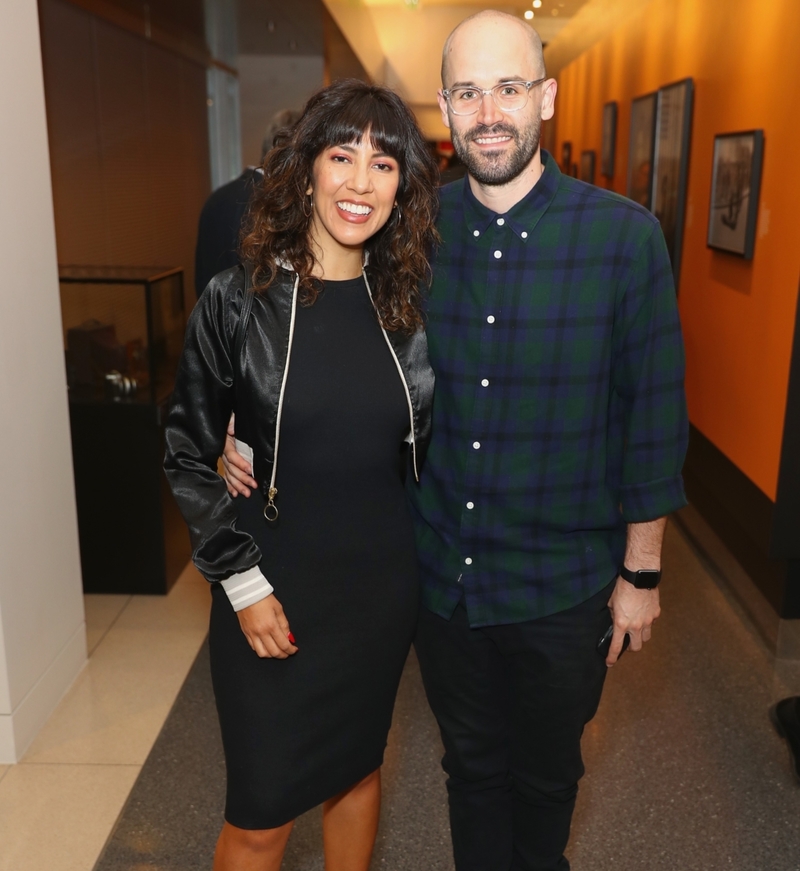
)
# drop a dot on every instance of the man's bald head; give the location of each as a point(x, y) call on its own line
point(494, 25)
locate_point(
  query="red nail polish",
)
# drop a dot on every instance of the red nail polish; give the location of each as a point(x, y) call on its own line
point(290, 637)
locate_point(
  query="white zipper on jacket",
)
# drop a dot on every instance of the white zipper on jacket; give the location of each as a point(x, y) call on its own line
point(271, 509)
point(405, 385)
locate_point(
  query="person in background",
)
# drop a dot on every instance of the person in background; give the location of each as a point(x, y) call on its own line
point(785, 717)
point(221, 218)
point(313, 579)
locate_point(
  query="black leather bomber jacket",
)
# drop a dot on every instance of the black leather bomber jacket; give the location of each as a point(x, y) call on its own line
point(210, 384)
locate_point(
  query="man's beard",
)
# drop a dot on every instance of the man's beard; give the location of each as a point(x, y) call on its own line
point(497, 167)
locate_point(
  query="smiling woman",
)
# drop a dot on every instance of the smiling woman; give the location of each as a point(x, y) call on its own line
point(348, 120)
point(328, 359)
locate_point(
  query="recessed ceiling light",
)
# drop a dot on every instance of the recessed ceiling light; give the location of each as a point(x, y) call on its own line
point(537, 4)
point(529, 15)
point(554, 11)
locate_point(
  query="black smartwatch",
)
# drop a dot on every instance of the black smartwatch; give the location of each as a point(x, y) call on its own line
point(644, 579)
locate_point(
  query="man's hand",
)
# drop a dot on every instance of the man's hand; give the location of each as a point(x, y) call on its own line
point(266, 628)
point(633, 611)
point(238, 472)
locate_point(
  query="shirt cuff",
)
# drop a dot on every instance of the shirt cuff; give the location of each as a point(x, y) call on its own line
point(246, 588)
point(644, 502)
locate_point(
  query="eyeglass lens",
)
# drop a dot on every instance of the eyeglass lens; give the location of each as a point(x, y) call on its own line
point(509, 96)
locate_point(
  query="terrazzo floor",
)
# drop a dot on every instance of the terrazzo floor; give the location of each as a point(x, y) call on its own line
point(683, 768)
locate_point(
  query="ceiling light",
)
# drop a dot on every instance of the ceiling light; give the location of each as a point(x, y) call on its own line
point(529, 15)
point(537, 4)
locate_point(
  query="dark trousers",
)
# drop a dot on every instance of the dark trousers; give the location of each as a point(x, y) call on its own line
point(511, 703)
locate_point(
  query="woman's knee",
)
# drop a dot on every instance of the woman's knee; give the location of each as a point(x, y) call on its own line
point(257, 840)
point(365, 787)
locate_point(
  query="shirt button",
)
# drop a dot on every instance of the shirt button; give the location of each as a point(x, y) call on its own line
point(468, 560)
point(500, 222)
point(490, 319)
point(485, 382)
point(498, 255)
point(470, 505)
point(524, 234)
point(476, 445)
point(476, 232)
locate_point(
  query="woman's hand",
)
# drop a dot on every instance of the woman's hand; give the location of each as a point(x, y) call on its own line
point(266, 629)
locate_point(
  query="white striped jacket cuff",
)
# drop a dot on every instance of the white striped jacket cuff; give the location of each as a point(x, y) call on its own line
point(246, 588)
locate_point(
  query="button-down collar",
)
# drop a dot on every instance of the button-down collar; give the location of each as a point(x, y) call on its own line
point(523, 216)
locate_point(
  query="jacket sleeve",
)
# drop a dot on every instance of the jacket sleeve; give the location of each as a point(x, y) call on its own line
point(202, 402)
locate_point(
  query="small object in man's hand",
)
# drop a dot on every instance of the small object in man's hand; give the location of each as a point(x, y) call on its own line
point(604, 644)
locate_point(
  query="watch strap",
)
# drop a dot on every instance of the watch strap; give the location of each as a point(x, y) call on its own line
point(644, 579)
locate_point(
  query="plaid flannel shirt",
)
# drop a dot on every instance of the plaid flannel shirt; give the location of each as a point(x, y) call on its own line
point(559, 413)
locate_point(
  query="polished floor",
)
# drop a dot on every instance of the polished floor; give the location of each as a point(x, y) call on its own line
point(683, 768)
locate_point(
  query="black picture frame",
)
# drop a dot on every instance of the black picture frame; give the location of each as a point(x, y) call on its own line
point(672, 139)
point(587, 166)
point(639, 186)
point(735, 189)
point(609, 144)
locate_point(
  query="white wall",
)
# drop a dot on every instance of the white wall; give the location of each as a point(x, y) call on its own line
point(42, 637)
point(268, 84)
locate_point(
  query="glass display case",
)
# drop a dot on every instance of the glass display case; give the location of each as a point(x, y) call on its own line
point(123, 333)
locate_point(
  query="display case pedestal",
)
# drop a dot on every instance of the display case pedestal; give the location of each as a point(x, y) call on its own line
point(123, 334)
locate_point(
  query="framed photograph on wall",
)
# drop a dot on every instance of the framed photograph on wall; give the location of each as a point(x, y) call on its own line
point(735, 185)
point(608, 151)
point(640, 149)
point(566, 157)
point(671, 164)
point(587, 166)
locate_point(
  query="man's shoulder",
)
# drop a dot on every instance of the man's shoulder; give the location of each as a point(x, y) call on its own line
point(593, 202)
point(451, 196)
point(233, 193)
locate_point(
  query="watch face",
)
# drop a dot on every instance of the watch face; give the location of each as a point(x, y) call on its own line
point(647, 578)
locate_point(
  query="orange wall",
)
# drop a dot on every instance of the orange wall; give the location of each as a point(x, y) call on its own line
point(737, 316)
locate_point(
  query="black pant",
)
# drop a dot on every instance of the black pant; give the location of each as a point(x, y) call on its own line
point(511, 703)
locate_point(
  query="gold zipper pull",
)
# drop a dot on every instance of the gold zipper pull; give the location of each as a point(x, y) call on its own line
point(271, 509)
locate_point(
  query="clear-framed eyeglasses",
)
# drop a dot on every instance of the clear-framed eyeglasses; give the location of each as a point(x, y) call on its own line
point(508, 97)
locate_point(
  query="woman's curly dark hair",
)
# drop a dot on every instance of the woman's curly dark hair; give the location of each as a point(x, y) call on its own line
point(278, 224)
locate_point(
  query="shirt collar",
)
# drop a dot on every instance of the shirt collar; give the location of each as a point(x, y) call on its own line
point(524, 215)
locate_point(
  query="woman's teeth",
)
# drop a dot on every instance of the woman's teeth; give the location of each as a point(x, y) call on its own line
point(354, 209)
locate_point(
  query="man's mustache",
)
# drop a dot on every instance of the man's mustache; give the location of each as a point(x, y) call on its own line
point(495, 130)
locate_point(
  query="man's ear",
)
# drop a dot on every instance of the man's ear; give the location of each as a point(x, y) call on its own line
point(549, 99)
point(443, 108)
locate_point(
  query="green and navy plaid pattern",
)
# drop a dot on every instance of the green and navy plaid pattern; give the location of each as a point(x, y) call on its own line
point(559, 413)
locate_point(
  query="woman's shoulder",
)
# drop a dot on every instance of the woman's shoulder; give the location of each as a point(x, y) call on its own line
point(226, 287)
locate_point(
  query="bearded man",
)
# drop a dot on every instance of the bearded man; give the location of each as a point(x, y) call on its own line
point(559, 433)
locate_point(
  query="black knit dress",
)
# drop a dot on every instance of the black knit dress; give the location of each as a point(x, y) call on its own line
point(341, 559)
